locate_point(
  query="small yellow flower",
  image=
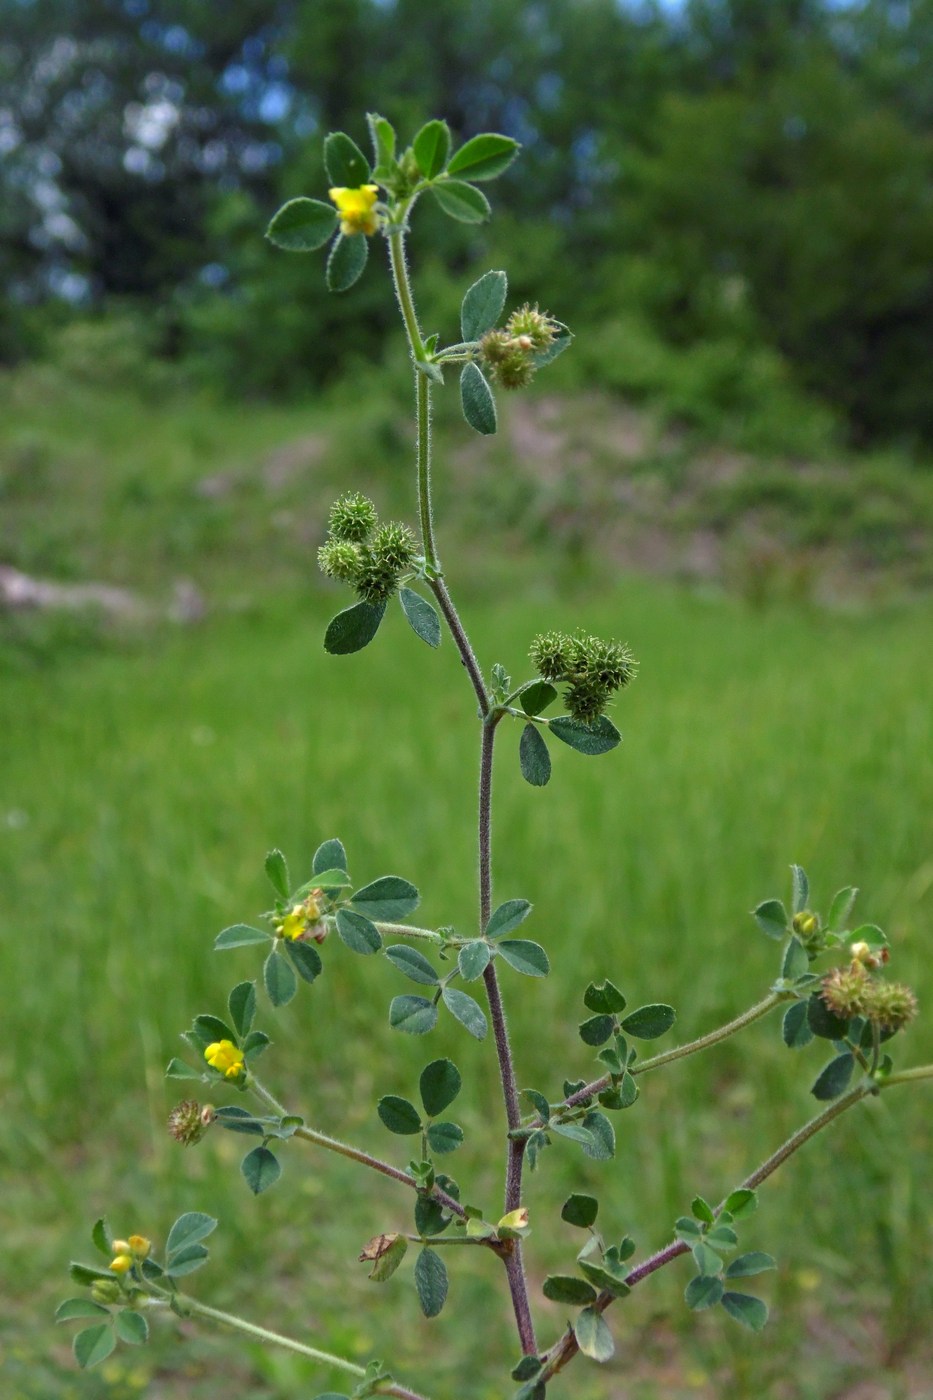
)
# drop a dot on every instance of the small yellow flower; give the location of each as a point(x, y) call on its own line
point(224, 1056)
point(140, 1246)
point(299, 921)
point(356, 208)
point(122, 1263)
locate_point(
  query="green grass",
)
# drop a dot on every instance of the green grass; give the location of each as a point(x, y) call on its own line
point(144, 789)
point(145, 776)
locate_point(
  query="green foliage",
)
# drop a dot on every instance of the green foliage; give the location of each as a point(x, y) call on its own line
point(864, 1009)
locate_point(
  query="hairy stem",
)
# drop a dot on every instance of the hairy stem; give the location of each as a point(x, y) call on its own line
point(804, 1134)
point(513, 1187)
point(462, 643)
point(566, 1347)
point(355, 1154)
point(406, 301)
point(407, 931)
point(906, 1076)
point(191, 1306)
point(747, 1018)
point(423, 458)
point(515, 1148)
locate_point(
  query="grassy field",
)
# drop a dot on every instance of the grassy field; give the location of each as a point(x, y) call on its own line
point(145, 773)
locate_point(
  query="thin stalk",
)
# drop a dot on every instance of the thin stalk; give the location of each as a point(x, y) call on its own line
point(906, 1076)
point(406, 301)
point(408, 931)
point(804, 1134)
point(263, 1334)
point(747, 1018)
point(355, 1154)
point(423, 460)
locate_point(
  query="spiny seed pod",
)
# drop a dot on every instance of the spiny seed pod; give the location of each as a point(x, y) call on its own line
point(352, 517)
point(611, 662)
point(805, 923)
point(586, 699)
point(340, 559)
point(890, 1005)
point(845, 991)
point(495, 346)
point(376, 581)
point(509, 359)
point(549, 653)
point(516, 369)
point(528, 322)
point(189, 1121)
point(393, 545)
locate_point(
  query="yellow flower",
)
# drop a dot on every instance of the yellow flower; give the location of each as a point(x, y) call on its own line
point(140, 1245)
point(356, 208)
point(297, 923)
point(122, 1263)
point(224, 1056)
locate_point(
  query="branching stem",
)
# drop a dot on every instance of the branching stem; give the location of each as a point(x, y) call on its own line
point(355, 1154)
point(194, 1308)
point(703, 1042)
point(566, 1347)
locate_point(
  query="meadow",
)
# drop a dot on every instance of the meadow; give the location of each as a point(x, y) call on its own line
point(148, 767)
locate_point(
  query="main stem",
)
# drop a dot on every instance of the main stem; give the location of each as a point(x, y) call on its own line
point(513, 1184)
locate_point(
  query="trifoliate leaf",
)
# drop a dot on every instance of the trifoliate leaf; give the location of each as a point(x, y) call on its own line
point(593, 1336)
point(414, 1015)
point(398, 1115)
point(482, 305)
point(344, 161)
point(302, 225)
point(344, 267)
point(580, 1210)
point(261, 1169)
point(431, 1282)
point(422, 617)
point(484, 157)
point(354, 628)
point(439, 1084)
point(468, 1012)
point(533, 757)
point(431, 147)
point(479, 406)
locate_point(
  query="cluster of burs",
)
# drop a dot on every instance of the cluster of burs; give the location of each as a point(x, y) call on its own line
point(372, 558)
point(593, 669)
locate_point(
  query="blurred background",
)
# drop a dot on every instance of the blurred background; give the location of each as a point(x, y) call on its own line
point(731, 204)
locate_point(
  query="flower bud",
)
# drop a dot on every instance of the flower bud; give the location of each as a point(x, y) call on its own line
point(867, 956)
point(805, 923)
point(122, 1263)
point(106, 1291)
